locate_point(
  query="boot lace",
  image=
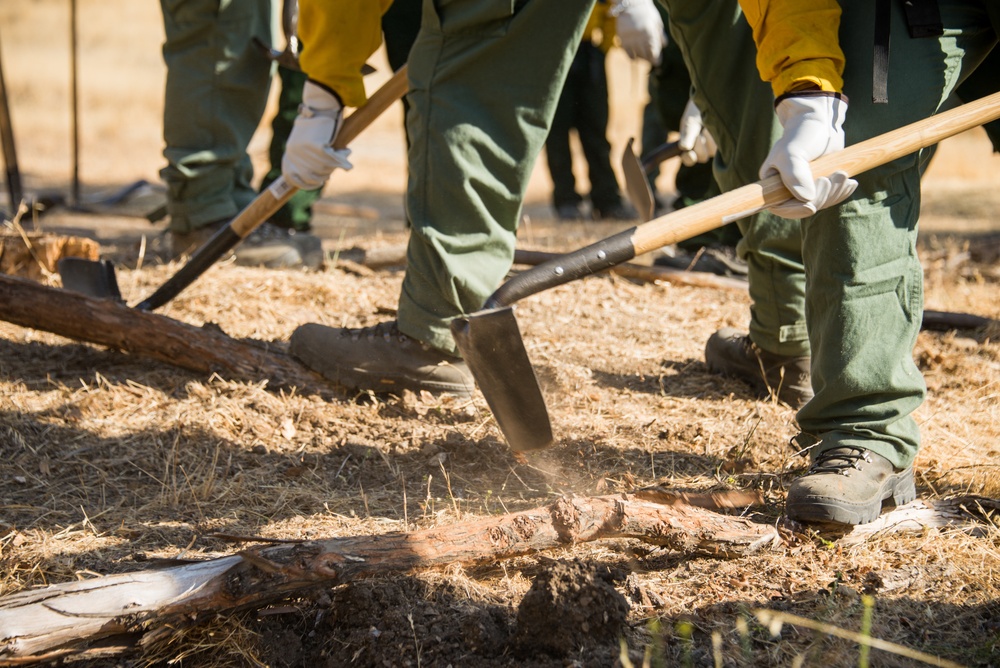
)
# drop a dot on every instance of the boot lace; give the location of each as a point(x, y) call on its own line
point(840, 460)
point(388, 331)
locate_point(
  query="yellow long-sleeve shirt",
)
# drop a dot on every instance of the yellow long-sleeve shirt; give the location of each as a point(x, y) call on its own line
point(797, 43)
point(338, 36)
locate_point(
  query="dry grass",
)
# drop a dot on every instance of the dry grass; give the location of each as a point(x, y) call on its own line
point(109, 462)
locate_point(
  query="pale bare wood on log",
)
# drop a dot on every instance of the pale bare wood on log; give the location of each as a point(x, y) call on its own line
point(33, 255)
point(965, 512)
point(108, 323)
point(67, 619)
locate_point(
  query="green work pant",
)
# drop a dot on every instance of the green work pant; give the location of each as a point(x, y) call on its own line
point(216, 91)
point(845, 284)
point(583, 106)
point(485, 77)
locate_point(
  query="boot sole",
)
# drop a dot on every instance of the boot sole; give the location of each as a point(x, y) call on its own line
point(396, 384)
point(897, 488)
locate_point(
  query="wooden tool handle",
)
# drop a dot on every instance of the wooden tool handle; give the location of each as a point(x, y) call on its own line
point(740, 203)
point(748, 200)
point(280, 191)
point(270, 200)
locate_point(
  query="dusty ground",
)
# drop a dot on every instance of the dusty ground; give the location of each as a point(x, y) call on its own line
point(109, 461)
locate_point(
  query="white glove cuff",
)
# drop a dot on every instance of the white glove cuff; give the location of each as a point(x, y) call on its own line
point(827, 108)
point(320, 101)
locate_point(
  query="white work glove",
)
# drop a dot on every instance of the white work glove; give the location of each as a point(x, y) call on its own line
point(813, 126)
point(695, 141)
point(309, 155)
point(640, 29)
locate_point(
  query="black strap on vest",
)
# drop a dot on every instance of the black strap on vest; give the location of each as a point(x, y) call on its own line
point(923, 19)
point(880, 58)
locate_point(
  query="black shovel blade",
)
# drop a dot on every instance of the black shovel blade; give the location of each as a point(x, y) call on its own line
point(491, 343)
point(94, 278)
point(636, 184)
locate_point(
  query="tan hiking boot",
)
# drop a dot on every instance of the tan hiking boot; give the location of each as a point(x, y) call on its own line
point(267, 246)
point(732, 353)
point(848, 485)
point(379, 358)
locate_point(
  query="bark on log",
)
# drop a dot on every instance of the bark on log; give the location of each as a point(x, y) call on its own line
point(75, 617)
point(112, 324)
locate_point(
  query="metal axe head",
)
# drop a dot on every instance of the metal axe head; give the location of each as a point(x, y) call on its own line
point(94, 278)
point(636, 184)
point(491, 343)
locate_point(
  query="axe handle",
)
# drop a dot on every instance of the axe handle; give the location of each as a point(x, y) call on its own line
point(750, 199)
point(270, 200)
point(742, 202)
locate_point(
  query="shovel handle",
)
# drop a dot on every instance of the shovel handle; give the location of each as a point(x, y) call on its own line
point(270, 200)
point(742, 202)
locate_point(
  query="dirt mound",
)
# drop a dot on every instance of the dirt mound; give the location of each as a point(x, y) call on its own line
point(572, 611)
point(571, 605)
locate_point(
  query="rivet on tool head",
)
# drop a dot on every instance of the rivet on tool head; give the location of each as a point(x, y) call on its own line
point(601, 255)
point(559, 271)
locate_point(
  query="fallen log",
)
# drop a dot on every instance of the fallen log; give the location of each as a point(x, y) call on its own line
point(943, 321)
point(108, 323)
point(115, 611)
point(111, 614)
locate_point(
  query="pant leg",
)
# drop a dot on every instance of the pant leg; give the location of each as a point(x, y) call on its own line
point(738, 109)
point(558, 152)
point(592, 127)
point(485, 78)
point(864, 281)
point(216, 90)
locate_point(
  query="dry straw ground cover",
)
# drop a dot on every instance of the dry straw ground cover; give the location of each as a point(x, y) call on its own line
point(110, 463)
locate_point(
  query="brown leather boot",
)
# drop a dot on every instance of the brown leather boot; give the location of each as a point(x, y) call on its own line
point(848, 485)
point(732, 353)
point(380, 358)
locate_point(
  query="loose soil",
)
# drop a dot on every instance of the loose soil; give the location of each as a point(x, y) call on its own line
point(110, 463)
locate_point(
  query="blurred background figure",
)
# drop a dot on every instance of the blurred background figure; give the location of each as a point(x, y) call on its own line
point(217, 87)
point(583, 108)
point(664, 113)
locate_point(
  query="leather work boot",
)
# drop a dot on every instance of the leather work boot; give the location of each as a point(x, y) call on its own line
point(267, 246)
point(379, 358)
point(732, 353)
point(847, 485)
